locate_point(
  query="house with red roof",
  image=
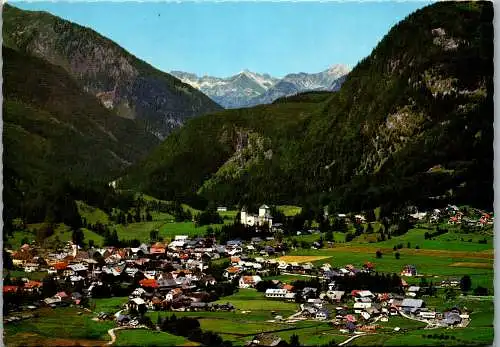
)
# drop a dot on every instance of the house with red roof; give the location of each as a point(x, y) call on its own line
point(157, 248)
point(148, 283)
point(10, 289)
point(249, 281)
point(232, 272)
point(60, 266)
point(32, 286)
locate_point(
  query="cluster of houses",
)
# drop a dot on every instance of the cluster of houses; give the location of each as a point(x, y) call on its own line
point(357, 310)
point(166, 274)
point(456, 216)
point(175, 276)
point(360, 310)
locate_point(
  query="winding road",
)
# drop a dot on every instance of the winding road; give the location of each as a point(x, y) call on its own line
point(351, 338)
point(111, 332)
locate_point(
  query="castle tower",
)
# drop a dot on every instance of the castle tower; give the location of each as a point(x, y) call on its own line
point(243, 216)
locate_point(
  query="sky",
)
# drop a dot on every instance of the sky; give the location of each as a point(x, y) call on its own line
point(224, 38)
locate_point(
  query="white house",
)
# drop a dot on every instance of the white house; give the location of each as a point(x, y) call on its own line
point(361, 306)
point(264, 217)
point(249, 281)
point(360, 218)
point(235, 250)
point(428, 315)
point(419, 215)
point(276, 293)
point(31, 267)
point(365, 315)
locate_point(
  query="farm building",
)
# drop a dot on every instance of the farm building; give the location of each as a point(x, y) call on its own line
point(412, 305)
point(413, 291)
point(409, 271)
point(451, 318)
point(334, 295)
point(266, 340)
point(276, 293)
point(322, 314)
point(359, 294)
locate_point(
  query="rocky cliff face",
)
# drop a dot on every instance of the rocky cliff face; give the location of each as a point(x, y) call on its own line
point(119, 80)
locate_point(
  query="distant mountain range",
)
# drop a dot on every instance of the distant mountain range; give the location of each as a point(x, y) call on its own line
point(249, 88)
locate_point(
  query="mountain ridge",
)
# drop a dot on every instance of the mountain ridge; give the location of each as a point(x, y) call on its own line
point(231, 92)
point(123, 82)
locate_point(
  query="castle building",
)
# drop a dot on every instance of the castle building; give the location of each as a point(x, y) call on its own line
point(264, 217)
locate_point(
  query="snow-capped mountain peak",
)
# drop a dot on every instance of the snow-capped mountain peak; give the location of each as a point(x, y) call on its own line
point(338, 70)
point(249, 88)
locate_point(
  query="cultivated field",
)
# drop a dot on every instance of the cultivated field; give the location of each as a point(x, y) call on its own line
point(434, 264)
point(474, 265)
point(486, 254)
point(301, 258)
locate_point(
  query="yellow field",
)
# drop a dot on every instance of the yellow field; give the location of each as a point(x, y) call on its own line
point(300, 258)
point(487, 254)
point(473, 265)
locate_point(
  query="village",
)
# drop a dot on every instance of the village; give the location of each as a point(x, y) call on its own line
point(180, 276)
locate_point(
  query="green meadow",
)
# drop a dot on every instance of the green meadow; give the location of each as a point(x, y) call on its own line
point(452, 241)
point(253, 311)
point(57, 327)
point(436, 266)
point(149, 338)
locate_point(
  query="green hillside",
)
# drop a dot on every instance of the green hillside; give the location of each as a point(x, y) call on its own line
point(412, 121)
point(224, 155)
point(54, 133)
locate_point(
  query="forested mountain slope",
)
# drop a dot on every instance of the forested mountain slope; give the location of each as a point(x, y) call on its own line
point(412, 123)
point(54, 132)
point(122, 82)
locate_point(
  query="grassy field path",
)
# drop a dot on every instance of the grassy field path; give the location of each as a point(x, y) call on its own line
point(111, 332)
point(352, 338)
